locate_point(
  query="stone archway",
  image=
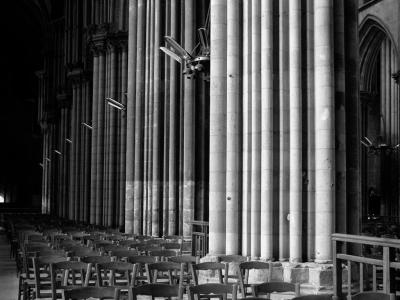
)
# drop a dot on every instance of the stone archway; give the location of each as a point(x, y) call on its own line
point(379, 120)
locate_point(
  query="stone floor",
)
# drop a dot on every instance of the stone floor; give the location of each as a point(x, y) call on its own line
point(8, 277)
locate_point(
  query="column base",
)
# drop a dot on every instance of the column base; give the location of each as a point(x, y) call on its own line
point(314, 278)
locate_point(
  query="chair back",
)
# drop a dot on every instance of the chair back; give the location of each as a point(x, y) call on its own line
point(162, 254)
point(212, 290)
point(97, 259)
point(156, 290)
point(219, 268)
point(153, 271)
point(106, 273)
point(372, 296)
point(314, 297)
point(107, 292)
point(243, 273)
point(278, 287)
point(41, 269)
point(73, 274)
point(119, 254)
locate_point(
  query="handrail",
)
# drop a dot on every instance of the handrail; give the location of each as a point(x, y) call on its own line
point(386, 262)
point(366, 240)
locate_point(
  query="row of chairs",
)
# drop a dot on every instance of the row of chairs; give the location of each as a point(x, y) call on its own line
point(211, 290)
point(96, 251)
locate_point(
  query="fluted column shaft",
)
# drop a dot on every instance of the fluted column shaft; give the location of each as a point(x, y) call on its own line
point(284, 130)
point(155, 228)
point(72, 162)
point(188, 127)
point(246, 203)
point(173, 123)
point(324, 129)
point(130, 117)
point(139, 109)
point(267, 118)
point(123, 134)
point(93, 168)
point(232, 135)
point(255, 127)
point(217, 177)
point(100, 138)
point(295, 124)
point(112, 140)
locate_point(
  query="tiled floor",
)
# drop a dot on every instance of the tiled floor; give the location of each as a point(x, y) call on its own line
point(8, 277)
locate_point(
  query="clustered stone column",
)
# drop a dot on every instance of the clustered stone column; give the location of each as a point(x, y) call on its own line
point(304, 96)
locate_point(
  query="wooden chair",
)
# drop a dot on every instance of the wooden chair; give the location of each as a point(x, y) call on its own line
point(219, 268)
point(187, 260)
point(212, 290)
point(109, 292)
point(174, 272)
point(123, 254)
point(156, 290)
point(162, 254)
point(69, 274)
point(234, 261)
point(243, 274)
point(313, 297)
point(42, 277)
point(128, 243)
point(279, 287)
point(115, 273)
point(372, 296)
point(139, 273)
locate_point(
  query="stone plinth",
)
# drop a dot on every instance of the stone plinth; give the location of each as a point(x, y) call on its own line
point(314, 278)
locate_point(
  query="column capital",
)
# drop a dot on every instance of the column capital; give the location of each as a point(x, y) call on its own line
point(63, 100)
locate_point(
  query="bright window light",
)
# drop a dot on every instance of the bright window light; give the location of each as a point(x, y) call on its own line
point(1, 199)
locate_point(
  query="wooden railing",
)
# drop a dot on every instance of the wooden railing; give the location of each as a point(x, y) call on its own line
point(382, 261)
point(199, 238)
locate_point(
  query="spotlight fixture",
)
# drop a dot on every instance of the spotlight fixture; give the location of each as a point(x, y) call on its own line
point(87, 125)
point(68, 141)
point(379, 147)
point(57, 151)
point(48, 159)
point(195, 63)
point(115, 103)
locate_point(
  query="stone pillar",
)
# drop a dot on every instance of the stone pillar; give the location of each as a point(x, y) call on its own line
point(87, 153)
point(246, 203)
point(140, 80)
point(156, 124)
point(188, 126)
point(324, 129)
point(267, 132)
point(146, 120)
point(100, 139)
point(284, 130)
point(72, 162)
point(166, 124)
point(217, 127)
point(173, 123)
point(387, 97)
point(232, 135)
point(295, 124)
point(310, 134)
point(123, 132)
point(255, 127)
point(93, 168)
point(77, 148)
point(130, 117)
point(111, 195)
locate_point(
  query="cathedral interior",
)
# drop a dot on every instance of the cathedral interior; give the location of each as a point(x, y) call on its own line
point(271, 128)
